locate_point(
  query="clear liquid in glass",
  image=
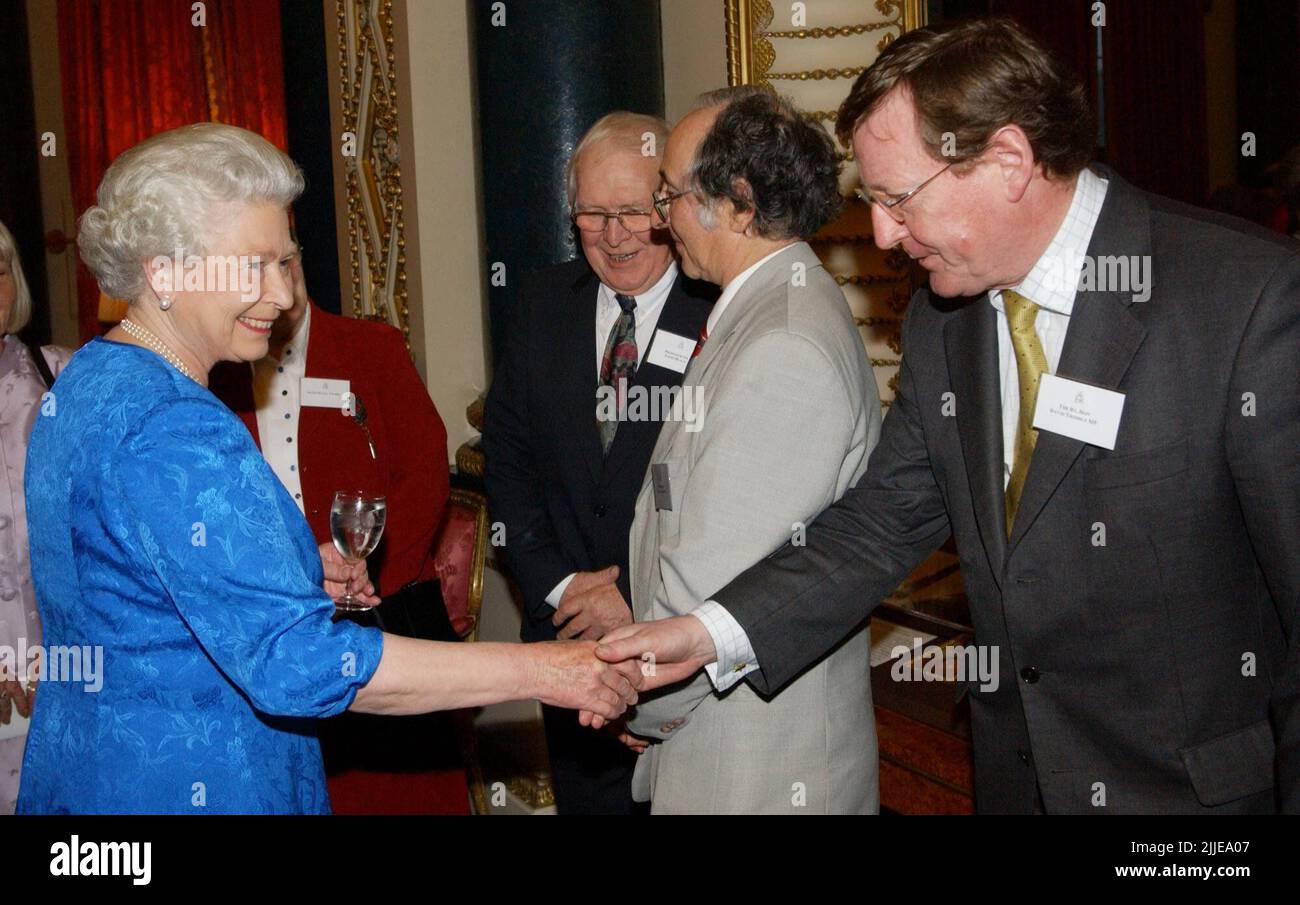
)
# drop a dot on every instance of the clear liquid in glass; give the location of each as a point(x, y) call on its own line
point(356, 525)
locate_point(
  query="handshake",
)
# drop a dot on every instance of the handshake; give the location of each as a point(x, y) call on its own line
point(604, 659)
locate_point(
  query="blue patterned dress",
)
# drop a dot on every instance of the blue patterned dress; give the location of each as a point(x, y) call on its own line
point(160, 535)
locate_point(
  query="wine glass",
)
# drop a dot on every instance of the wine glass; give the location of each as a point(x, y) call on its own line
point(356, 524)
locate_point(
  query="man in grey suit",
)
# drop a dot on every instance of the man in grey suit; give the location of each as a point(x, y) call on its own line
point(1115, 449)
point(783, 411)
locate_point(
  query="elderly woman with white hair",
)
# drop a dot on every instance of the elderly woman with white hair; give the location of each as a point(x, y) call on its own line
point(25, 376)
point(161, 537)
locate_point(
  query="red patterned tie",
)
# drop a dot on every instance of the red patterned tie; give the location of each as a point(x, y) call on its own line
point(618, 363)
point(699, 344)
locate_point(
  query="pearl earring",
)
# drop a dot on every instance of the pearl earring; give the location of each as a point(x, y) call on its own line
point(164, 302)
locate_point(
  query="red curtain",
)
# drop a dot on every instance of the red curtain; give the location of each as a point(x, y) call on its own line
point(1155, 97)
point(132, 68)
point(1153, 83)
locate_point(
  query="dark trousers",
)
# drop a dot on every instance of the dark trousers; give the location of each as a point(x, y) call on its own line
point(591, 770)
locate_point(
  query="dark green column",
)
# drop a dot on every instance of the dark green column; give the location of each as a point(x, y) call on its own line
point(547, 70)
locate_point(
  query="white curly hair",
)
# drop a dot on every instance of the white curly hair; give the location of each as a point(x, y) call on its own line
point(158, 197)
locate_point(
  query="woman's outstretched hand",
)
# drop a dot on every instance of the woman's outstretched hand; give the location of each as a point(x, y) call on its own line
point(339, 576)
point(568, 674)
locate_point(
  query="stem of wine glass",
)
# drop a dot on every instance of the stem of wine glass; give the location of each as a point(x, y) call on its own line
point(347, 597)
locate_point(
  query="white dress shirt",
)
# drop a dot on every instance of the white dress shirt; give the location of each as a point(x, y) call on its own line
point(1051, 283)
point(1054, 296)
point(278, 398)
point(730, 291)
point(649, 305)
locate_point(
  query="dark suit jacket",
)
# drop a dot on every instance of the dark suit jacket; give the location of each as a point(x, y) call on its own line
point(1128, 664)
point(410, 467)
point(566, 507)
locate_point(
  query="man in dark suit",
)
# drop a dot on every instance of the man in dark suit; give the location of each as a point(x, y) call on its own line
point(1136, 569)
point(619, 323)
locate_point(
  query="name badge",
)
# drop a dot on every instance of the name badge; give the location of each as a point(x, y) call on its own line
point(322, 393)
point(1077, 410)
point(662, 486)
point(671, 351)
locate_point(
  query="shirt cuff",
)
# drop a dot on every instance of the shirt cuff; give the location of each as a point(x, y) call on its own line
point(736, 657)
point(557, 592)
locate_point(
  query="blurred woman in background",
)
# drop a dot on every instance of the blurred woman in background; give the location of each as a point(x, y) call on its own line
point(25, 375)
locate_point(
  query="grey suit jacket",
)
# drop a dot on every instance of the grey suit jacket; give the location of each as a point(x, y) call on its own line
point(790, 413)
point(1138, 666)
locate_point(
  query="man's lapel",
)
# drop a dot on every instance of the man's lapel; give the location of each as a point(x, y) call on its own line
point(676, 318)
point(971, 343)
point(1100, 343)
point(578, 378)
point(775, 270)
point(778, 269)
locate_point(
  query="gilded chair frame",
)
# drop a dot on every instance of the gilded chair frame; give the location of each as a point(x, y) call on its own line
point(478, 562)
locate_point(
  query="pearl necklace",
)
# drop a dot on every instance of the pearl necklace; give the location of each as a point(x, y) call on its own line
point(157, 345)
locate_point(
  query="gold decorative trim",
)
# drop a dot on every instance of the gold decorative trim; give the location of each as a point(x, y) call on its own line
point(831, 31)
point(851, 72)
point(476, 501)
point(368, 100)
point(470, 460)
point(754, 49)
point(841, 239)
point(822, 115)
point(750, 53)
point(535, 791)
point(868, 279)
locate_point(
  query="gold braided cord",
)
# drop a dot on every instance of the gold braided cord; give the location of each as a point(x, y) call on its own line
point(849, 72)
point(831, 31)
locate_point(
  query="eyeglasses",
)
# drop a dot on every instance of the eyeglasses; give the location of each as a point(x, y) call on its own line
point(633, 221)
point(890, 203)
point(663, 202)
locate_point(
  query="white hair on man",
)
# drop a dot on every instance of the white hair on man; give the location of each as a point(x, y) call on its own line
point(22, 312)
point(639, 133)
point(161, 197)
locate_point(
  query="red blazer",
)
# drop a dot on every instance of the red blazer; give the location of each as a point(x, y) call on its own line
point(410, 467)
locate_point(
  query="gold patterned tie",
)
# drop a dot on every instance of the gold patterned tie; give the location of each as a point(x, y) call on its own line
point(1031, 362)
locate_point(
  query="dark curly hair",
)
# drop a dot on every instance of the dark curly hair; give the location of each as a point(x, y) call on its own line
point(789, 165)
point(970, 78)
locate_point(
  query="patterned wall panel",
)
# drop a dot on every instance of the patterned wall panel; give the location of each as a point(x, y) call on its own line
point(368, 99)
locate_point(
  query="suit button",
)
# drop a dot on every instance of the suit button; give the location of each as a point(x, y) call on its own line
point(1023, 755)
point(600, 510)
point(1029, 674)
